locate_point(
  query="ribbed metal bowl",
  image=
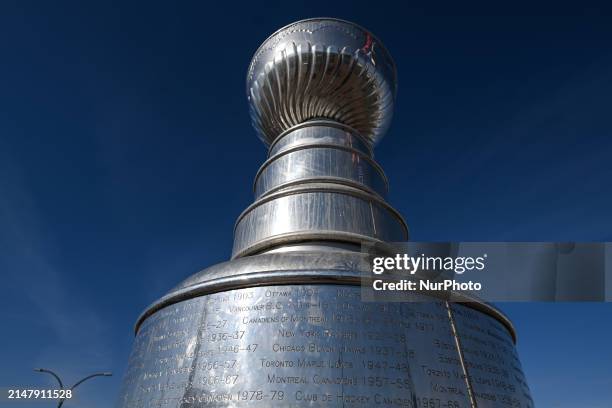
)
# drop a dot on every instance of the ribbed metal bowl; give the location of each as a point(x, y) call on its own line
point(321, 69)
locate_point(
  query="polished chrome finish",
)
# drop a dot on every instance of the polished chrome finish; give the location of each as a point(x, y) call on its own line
point(320, 162)
point(320, 182)
point(321, 95)
point(320, 152)
point(324, 132)
point(293, 326)
point(321, 68)
point(462, 361)
point(283, 324)
point(334, 265)
point(314, 246)
point(316, 211)
point(313, 344)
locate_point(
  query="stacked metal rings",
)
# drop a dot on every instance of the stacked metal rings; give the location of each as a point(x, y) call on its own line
point(320, 182)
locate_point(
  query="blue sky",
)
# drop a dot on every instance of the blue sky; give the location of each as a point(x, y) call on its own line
point(126, 154)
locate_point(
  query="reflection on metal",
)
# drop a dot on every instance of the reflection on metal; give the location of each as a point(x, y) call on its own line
point(464, 369)
point(323, 210)
point(321, 68)
point(320, 152)
point(283, 323)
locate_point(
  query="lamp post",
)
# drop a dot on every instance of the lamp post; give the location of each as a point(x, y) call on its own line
point(61, 401)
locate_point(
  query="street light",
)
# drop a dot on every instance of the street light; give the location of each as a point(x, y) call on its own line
point(76, 384)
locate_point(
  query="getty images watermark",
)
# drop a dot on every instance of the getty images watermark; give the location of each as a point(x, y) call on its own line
point(490, 271)
point(423, 264)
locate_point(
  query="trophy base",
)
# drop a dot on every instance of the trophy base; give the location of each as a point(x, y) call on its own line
point(316, 344)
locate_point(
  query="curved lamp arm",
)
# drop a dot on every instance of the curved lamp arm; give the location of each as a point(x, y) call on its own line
point(82, 381)
point(44, 370)
point(90, 376)
point(61, 401)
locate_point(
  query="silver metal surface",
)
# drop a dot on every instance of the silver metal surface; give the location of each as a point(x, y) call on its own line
point(320, 163)
point(314, 212)
point(315, 345)
point(321, 68)
point(491, 360)
point(318, 153)
point(321, 94)
point(315, 132)
point(283, 324)
point(320, 182)
point(337, 264)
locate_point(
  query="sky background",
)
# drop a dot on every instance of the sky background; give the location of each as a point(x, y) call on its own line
point(126, 154)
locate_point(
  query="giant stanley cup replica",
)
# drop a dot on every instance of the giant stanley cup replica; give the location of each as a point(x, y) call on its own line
point(282, 324)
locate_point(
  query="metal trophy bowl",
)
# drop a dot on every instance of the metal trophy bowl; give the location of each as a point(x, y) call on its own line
point(283, 323)
point(321, 68)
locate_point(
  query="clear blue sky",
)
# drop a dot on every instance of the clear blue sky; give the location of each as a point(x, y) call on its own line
point(126, 154)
